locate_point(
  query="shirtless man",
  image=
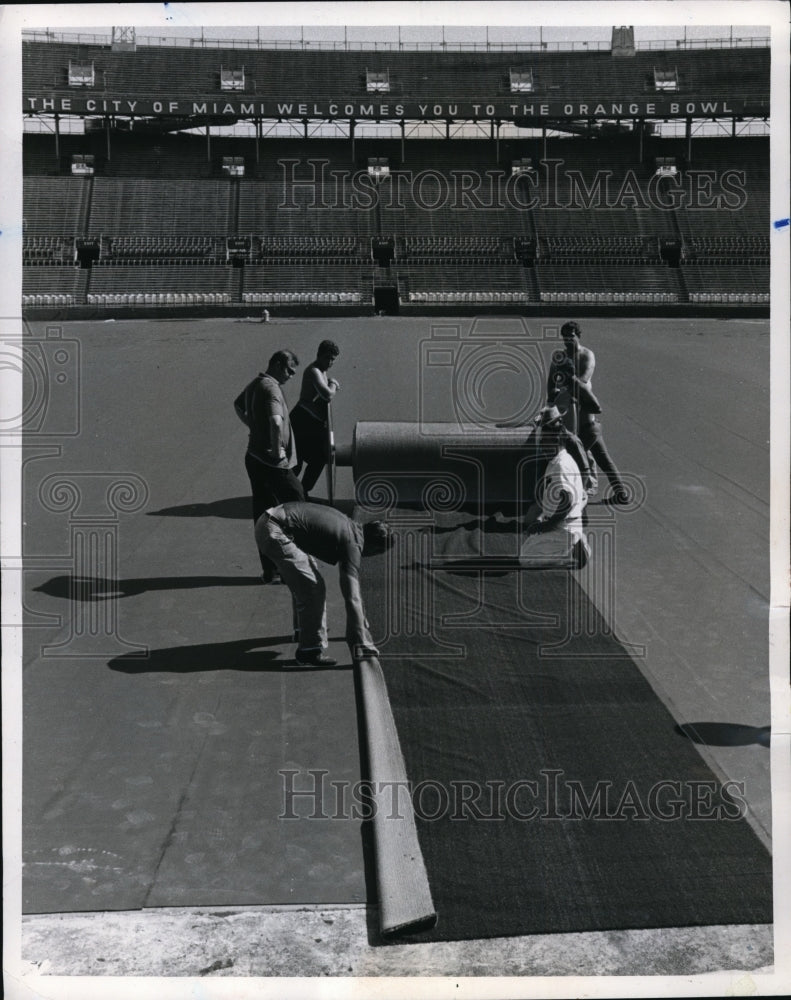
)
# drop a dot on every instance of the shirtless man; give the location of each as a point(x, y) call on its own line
point(571, 372)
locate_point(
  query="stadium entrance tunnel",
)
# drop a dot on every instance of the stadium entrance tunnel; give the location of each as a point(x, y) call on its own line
point(670, 252)
point(386, 300)
point(87, 251)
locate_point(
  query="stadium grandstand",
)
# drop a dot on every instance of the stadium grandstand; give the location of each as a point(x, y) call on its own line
point(524, 179)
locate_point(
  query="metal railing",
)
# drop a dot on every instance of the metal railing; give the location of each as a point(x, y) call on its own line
point(344, 45)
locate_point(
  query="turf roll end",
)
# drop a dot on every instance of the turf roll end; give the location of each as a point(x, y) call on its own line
point(405, 901)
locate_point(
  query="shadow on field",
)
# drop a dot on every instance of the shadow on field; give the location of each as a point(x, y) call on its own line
point(725, 734)
point(239, 508)
point(99, 588)
point(240, 654)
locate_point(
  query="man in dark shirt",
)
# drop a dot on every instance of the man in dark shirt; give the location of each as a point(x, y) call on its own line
point(270, 447)
point(294, 536)
point(309, 416)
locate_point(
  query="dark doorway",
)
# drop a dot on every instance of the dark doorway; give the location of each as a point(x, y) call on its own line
point(383, 250)
point(386, 300)
point(87, 252)
point(670, 252)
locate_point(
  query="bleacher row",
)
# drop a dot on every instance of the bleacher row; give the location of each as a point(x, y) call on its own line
point(204, 249)
point(308, 246)
point(49, 299)
point(600, 246)
point(47, 249)
point(158, 298)
point(732, 298)
point(193, 247)
point(342, 285)
point(350, 298)
point(744, 245)
point(490, 297)
point(453, 246)
point(606, 298)
point(305, 298)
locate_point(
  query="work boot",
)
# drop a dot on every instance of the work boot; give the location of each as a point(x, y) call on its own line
point(314, 658)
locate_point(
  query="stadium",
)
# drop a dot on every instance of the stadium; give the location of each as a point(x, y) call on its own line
point(584, 750)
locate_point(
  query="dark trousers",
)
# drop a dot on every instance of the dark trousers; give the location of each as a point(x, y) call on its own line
point(270, 487)
point(593, 442)
point(310, 435)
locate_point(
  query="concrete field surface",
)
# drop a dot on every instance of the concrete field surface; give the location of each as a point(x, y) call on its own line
point(152, 787)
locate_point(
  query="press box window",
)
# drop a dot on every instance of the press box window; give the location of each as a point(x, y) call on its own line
point(231, 79)
point(665, 166)
point(522, 167)
point(665, 81)
point(81, 74)
point(233, 166)
point(82, 165)
point(521, 81)
point(377, 83)
point(378, 168)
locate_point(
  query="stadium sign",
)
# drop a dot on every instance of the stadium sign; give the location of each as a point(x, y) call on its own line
point(372, 110)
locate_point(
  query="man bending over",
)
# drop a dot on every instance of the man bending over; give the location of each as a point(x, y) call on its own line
point(294, 535)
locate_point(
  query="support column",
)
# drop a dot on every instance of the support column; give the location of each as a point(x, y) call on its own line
point(257, 138)
point(107, 138)
point(640, 126)
point(208, 142)
point(403, 137)
point(543, 142)
point(354, 144)
point(689, 140)
point(57, 139)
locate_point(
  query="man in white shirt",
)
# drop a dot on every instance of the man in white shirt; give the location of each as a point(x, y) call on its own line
point(556, 537)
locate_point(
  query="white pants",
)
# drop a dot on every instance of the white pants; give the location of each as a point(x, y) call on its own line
point(551, 549)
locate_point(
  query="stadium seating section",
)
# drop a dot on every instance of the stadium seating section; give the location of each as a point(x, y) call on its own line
point(734, 73)
point(305, 225)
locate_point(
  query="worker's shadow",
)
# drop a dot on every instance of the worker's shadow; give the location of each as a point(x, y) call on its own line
point(489, 524)
point(236, 508)
point(239, 508)
point(239, 654)
point(100, 588)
